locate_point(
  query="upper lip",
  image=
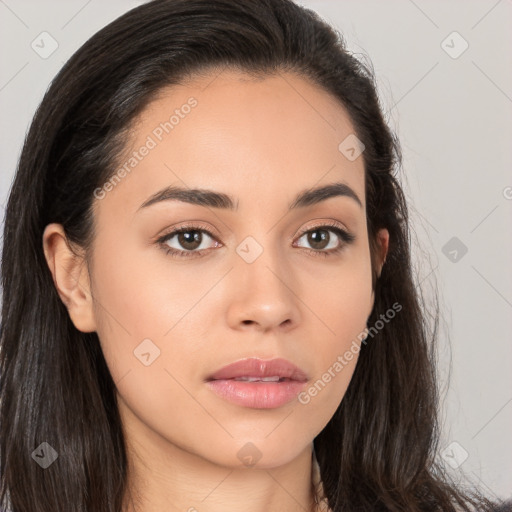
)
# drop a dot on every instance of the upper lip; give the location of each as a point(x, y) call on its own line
point(255, 367)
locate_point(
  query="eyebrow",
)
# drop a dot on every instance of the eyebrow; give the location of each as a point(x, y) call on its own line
point(212, 199)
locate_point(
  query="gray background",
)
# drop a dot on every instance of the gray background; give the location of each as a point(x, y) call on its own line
point(452, 111)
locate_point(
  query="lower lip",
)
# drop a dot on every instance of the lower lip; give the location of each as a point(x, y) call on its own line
point(258, 395)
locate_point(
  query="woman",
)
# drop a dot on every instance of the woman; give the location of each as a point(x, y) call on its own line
point(208, 296)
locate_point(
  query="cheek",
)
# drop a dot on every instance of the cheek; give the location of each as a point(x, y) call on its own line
point(142, 326)
point(340, 302)
point(147, 304)
point(340, 298)
point(337, 349)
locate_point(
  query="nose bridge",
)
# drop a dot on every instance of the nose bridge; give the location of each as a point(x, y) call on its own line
point(264, 294)
point(259, 260)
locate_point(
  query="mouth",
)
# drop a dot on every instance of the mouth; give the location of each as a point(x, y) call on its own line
point(276, 378)
point(254, 369)
point(257, 383)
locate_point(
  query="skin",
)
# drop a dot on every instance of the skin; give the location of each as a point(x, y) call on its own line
point(261, 141)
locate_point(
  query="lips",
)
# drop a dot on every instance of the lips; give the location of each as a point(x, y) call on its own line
point(257, 383)
point(254, 369)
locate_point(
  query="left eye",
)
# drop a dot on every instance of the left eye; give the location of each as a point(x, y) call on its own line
point(318, 236)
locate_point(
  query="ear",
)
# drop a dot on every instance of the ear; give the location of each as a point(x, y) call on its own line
point(70, 276)
point(382, 252)
point(383, 244)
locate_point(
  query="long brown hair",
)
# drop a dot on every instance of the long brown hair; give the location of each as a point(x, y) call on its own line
point(379, 450)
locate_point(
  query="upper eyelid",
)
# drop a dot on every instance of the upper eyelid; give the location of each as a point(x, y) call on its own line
point(186, 228)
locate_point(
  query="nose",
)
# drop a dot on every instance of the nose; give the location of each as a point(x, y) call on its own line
point(264, 295)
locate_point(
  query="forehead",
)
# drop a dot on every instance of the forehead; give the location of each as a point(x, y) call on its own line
point(268, 138)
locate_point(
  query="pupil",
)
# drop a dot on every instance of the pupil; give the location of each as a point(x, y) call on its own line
point(315, 240)
point(185, 240)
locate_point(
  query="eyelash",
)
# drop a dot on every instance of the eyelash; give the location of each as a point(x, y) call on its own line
point(346, 239)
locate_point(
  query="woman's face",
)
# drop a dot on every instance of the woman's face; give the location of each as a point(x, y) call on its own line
point(254, 277)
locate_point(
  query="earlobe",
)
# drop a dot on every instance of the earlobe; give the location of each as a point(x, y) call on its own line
point(70, 276)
